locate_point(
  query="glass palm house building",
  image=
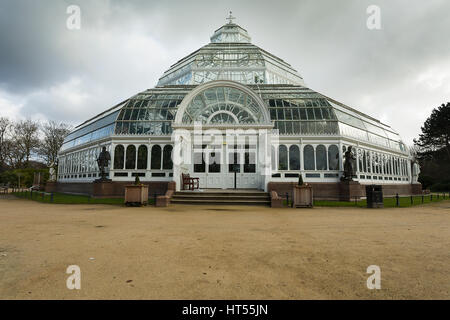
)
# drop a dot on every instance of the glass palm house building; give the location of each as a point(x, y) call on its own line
point(234, 115)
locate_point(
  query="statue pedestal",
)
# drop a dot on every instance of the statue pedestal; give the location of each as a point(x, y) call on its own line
point(51, 186)
point(416, 188)
point(102, 188)
point(349, 190)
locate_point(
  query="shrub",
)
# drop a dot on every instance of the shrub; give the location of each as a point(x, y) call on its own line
point(440, 187)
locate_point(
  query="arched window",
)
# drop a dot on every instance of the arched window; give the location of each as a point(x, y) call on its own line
point(308, 157)
point(321, 157)
point(167, 157)
point(156, 158)
point(142, 157)
point(223, 105)
point(294, 158)
point(130, 163)
point(283, 158)
point(333, 157)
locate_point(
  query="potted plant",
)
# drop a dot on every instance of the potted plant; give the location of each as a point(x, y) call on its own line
point(302, 195)
point(136, 194)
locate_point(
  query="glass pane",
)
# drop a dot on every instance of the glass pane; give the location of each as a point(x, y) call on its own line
point(199, 162)
point(308, 157)
point(214, 162)
point(142, 157)
point(131, 157)
point(118, 157)
point(156, 158)
point(250, 162)
point(167, 158)
point(333, 157)
point(294, 158)
point(234, 162)
point(321, 158)
point(282, 158)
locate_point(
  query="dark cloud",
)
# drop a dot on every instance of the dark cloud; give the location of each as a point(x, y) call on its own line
point(397, 74)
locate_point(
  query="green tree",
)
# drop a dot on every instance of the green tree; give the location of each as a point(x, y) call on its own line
point(433, 150)
point(436, 132)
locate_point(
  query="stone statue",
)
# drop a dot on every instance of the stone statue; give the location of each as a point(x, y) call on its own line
point(103, 162)
point(52, 172)
point(349, 165)
point(415, 172)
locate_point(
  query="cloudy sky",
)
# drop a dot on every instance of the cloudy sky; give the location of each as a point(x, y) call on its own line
point(397, 74)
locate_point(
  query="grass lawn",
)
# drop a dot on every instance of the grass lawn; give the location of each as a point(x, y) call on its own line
point(62, 198)
point(388, 202)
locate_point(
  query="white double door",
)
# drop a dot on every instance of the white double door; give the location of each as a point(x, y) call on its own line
point(226, 166)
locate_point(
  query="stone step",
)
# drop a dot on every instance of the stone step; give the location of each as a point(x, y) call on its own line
point(223, 194)
point(220, 202)
point(222, 197)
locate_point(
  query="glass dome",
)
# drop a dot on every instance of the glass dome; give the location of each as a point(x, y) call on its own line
point(231, 56)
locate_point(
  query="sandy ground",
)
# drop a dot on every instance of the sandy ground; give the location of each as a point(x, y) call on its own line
point(201, 252)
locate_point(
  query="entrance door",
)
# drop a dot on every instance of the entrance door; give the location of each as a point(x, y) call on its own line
point(208, 166)
point(226, 166)
point(242, 166)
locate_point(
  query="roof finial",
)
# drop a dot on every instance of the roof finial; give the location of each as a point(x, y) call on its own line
point(230, 18)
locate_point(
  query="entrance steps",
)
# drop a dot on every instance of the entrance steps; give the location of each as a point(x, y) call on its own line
point(222, 197)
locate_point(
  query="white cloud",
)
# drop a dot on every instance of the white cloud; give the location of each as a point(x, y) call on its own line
point(10, 105)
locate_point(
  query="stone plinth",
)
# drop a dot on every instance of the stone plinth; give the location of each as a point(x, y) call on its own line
point(51, 186)
point(349, 190)
point(416, 188)
point(102, 189)
point(302, 196)
point(136, 195)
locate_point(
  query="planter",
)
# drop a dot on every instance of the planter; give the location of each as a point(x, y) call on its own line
point(136, 195)
point(302, 196)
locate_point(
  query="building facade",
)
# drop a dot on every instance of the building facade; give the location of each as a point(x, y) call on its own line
point(235, 116)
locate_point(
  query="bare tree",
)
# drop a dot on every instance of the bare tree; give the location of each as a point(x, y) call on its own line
point(5, 126)
point(26, 141)
point(53, 138)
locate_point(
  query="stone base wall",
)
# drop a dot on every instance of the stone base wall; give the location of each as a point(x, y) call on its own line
point(113, 189)
point(336, 191)
point(322, 190)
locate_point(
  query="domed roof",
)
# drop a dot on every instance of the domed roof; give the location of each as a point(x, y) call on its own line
point(231, 56)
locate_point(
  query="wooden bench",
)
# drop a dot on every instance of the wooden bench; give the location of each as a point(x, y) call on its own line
point(192, 183)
